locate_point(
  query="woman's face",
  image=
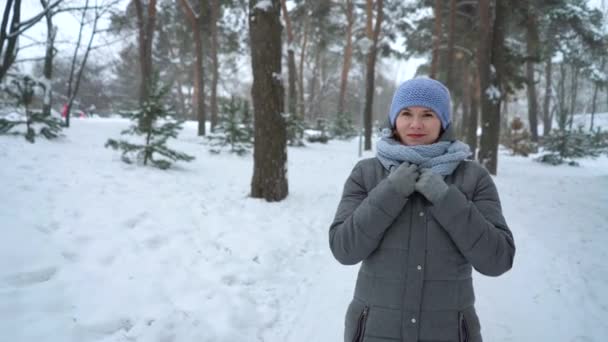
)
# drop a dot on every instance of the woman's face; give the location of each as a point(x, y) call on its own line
point(417, 126)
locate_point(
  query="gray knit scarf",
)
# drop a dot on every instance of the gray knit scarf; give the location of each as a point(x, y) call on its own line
point(441, 157)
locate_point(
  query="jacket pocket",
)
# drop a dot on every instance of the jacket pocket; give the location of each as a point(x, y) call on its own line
point(463, 328)
point(361, 325)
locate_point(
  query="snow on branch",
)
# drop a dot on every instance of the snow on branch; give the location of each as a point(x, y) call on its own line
point(264, 5)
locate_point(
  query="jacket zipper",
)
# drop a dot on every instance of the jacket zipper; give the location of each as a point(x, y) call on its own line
point(361, 325)
point(463, 329)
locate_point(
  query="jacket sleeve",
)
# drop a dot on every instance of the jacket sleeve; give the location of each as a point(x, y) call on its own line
point(362, 218)
point(478, 227)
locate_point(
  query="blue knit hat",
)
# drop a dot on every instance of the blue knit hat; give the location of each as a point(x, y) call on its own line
point(424, 92)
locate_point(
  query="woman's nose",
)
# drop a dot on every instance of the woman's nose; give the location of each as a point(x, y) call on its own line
point(416, 123)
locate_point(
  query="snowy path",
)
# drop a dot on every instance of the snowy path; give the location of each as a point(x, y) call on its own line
point(94, 250)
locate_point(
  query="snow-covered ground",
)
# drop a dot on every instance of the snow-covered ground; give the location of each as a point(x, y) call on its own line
point(93, 249)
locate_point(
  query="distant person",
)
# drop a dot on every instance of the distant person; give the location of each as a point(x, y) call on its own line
point(64, 110)
point(419, 216)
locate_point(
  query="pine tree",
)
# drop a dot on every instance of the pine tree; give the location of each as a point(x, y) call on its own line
point(235, 128)
point(22, 90)
point(565, 145)
point(147, 125)
point(295, 129)
point(343, 127)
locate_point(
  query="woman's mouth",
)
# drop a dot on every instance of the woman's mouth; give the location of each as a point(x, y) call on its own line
point(416, 135)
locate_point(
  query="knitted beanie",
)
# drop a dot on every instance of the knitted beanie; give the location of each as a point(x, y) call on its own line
point(423, 92)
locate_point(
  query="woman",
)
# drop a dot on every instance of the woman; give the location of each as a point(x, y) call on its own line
point(419, 216)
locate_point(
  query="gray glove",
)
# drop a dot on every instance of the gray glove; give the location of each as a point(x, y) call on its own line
point(404, 178)
point(431, 186)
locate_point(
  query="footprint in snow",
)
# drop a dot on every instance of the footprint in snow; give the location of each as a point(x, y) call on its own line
point(24, 279)
point(134, 221)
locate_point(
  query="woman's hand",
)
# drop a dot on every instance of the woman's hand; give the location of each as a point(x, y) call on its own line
point(404, 178)
point(431, 186)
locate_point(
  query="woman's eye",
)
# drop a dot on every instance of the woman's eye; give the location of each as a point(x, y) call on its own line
point(406, 113)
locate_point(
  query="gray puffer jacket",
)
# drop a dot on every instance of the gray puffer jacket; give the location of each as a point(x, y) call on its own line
point(414, 283)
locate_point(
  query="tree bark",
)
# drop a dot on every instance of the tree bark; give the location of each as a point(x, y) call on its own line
point(348, 54)
point(436, 40)
point(70, 93)
point(596, 89)
point(488, 146)
point(49, 54)
point(145, 26)
point(466, 98)
point(532, 41)
point(292, 95)
point(372, 34)
point(10, 39)
point(547, 117)
point(451, 42)
point(302, 109)
point(562, 110)
point(199, 84)
point(215, 13)
point(573, 93)
point(472, 123)
point(312, 86)
point(269, 179)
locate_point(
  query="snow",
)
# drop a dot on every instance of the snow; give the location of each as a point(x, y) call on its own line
point(493, 93)
point(264, 5)
point(97, 250)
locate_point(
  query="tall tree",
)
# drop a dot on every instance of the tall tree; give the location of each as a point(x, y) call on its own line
point(199, 84)
point(292, 97)
point(269, 179)
point(436, 39)
point(8, 40)
point(146, 21)
point(215, 13)
point(348, 54)
point(492, 88)
point(451, 46)
point(304, 45)
point(51, 32)
point(547, 117)
point(532, 42)
point(373, 33)
point(76, 77)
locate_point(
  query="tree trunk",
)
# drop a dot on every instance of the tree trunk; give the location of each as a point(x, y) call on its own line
point(488, 146)
point(10, 40)
point(145, 28)
point(436, 39)
point(532, 41)
point(68, 110)
point(472, 124)
point(348, 53)
point(51, 32)
point(451, 41)
point(199, 84)
point(466, 98)
point(484, 56)
point(215, 12)
point(596, 88)
point(547, 117)
point(372, 34)
point(573, 93)
point(301, 103)
point(292, 95)
point(562, 111)
point(312, 86)
point(269, 179)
